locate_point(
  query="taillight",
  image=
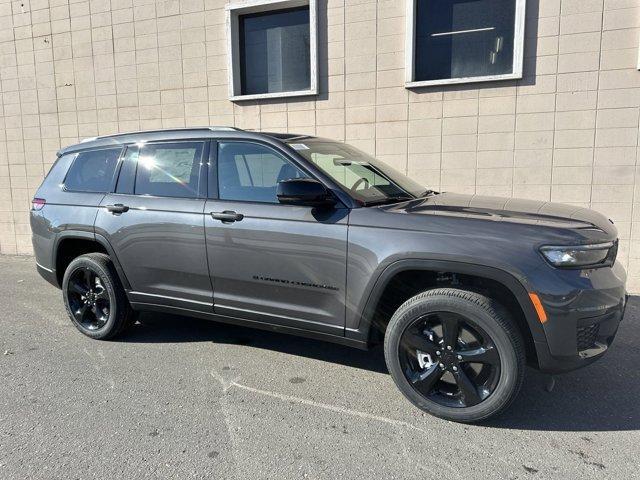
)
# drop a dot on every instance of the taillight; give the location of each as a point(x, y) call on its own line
point(38, 203)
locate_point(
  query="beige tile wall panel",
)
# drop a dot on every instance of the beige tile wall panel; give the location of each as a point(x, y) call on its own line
point(567, 131)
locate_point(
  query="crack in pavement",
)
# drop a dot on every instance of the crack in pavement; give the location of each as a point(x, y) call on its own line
point(224, 407)
point(399, 425)
point(326, 406)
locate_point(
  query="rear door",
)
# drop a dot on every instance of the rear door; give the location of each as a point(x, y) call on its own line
point(154, 221)
point(272, 263)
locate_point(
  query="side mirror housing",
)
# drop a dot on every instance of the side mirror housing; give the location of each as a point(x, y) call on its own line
point(306, 192)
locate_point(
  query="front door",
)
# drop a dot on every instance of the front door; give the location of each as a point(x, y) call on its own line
point(155, 224)
point(272, 263)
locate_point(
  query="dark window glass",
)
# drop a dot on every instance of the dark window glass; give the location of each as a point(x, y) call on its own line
point(92, 171)
point(250, 172)
point(169, 169)
point(362, 176)
point(274, 51)
point(463, 38)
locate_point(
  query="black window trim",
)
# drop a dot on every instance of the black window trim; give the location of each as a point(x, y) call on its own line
point(114, 177)
point(202, 172)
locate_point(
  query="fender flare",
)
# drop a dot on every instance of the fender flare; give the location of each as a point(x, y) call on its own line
point(508, 279)
point(94, 237)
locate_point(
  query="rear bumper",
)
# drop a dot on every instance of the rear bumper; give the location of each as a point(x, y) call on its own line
point(48, 274)
point(582, 319)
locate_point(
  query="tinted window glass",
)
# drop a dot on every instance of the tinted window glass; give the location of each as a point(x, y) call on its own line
point(363, 177)
point(169, 169)
point(274, 51)
point(251, 172)
point(92, 171)
point(463, 38)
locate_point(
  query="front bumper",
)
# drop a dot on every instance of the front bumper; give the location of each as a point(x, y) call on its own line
point(583, 317)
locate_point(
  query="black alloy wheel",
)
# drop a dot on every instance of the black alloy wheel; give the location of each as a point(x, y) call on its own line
point(88, 298)
point(449, 359)
point(95, 298)
point(456, 354)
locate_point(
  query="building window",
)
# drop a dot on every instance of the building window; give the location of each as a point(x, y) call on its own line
point(460, 41)
point(273, 49)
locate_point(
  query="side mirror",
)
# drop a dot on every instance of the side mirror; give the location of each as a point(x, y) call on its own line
point(306, 192)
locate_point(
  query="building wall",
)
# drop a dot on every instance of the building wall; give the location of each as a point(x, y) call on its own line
point(567, 132)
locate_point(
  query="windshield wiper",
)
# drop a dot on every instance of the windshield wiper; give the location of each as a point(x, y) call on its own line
point(429, 192)
point(382, 201)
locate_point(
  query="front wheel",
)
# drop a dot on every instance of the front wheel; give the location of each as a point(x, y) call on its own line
point(455, 354)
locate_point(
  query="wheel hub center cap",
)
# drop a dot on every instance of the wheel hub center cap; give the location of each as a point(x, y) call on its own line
point(448, 358)
point(90, 299)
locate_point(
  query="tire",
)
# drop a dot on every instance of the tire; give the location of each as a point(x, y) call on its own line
point(499, 347)
point(108, 313)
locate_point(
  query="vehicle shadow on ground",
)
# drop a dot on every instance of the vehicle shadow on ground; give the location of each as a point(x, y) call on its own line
point(601, 397)
point(165, 328)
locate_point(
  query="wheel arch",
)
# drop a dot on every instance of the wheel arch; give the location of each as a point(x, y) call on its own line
point(72, 243)
point(514, 294)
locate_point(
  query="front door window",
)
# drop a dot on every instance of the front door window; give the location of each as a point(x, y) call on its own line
point(251, 172)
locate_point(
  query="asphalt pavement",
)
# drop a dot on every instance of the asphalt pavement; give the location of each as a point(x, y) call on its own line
point(184, 398)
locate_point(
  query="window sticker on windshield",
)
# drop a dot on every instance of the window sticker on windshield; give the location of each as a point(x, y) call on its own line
point(298, 146)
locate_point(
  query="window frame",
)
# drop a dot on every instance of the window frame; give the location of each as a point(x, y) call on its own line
point(114, 176)
point(410, 50)
point(202, 171)
point(234, 11)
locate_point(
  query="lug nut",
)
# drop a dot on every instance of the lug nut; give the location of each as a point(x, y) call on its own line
point(455, 369)
point(459, 357)
point(448, 347)
point(438, 352)
point(442, 365)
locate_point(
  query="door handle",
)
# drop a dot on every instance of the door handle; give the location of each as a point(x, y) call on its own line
point(228, 216)
point(117, 208)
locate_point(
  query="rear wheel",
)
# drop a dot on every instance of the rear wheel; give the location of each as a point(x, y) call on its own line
point(455, 354)
point(94, 297)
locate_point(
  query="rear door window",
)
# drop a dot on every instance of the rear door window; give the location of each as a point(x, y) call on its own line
point(169, 169)
point(92, 171)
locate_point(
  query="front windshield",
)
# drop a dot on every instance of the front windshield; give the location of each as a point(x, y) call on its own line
point(362, 176)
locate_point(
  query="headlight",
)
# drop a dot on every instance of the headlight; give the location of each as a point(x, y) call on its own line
point(578, 256)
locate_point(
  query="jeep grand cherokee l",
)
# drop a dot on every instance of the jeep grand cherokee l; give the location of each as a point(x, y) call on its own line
point(313, 237)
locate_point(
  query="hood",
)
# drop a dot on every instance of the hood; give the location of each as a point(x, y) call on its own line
point(589, 224)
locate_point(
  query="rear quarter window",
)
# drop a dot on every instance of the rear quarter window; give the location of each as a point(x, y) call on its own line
point(92, 171)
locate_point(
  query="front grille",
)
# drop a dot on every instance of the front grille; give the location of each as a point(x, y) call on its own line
point(587, 336)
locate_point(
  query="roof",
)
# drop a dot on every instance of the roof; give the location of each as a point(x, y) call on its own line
point(175, 134)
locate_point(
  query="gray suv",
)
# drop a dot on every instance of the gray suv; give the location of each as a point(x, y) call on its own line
point(313, 237)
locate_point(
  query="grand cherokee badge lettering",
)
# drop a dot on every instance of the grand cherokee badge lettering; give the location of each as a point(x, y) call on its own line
point(294, 282)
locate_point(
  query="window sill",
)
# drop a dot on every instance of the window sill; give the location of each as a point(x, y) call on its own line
point(261, 96)
point(454, 81)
